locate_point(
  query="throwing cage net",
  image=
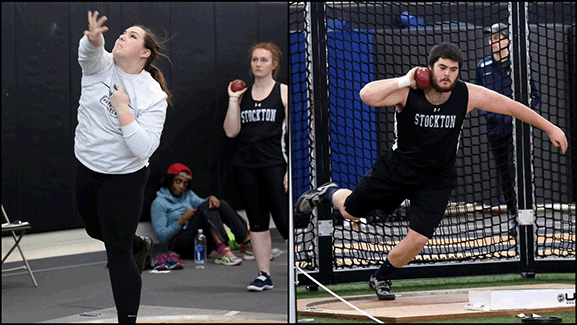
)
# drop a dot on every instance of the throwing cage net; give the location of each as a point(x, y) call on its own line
point(336, 48)
point(552, 56)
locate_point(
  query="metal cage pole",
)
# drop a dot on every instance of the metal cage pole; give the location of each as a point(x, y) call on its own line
point(526, 215)
point(322, 135)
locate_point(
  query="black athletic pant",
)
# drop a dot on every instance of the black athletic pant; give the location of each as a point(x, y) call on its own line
point(110, 206)
point(262, 193)
point(207, 219)
point(502, 148)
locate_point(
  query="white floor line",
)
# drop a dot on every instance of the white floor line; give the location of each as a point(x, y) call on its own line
point(338, 297)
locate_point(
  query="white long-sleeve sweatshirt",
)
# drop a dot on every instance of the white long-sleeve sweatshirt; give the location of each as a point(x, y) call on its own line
point(100, 143)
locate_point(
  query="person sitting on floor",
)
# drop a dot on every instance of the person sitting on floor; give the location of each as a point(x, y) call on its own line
point(177, 213)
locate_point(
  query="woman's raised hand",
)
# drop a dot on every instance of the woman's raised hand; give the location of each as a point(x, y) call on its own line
point(95, 28)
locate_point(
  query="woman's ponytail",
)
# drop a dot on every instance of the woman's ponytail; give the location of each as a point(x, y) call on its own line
point(152, 43)
point(159, 76)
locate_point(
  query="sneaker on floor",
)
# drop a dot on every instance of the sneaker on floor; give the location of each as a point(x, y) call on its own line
point(262, 282)
point(226, 260)
point(173, 261)
point(246, 249)
point(311, 198)
point(175, 266)
point(141, 254)
point(162, 267)
point(168, 261)
point(382, 288)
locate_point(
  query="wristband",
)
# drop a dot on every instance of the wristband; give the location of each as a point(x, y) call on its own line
point(233, 97)
point(404, 81)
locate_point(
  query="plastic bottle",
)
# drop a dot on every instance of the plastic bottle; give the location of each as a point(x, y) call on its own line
point(200, 250)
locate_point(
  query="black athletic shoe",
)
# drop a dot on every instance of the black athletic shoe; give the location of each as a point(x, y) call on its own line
point(382, 288)
point(140, 256)
point(311, 198)
point(262, 282)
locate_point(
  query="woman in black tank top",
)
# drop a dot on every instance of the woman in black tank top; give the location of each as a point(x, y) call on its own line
point(256, 116)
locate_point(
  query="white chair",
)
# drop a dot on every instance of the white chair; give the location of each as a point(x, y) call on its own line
point(20, 227)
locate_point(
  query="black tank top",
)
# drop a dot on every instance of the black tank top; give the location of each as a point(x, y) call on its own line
point(261, 140)
point(427, 135)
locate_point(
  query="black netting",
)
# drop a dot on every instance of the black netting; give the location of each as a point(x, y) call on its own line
point(552, 57)
point(300, 71)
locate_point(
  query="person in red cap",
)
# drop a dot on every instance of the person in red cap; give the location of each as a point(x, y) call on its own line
point(177, 213)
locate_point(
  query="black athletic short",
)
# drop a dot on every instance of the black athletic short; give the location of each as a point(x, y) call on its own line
point(391, 180)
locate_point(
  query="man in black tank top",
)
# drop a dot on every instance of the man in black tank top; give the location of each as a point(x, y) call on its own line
point(421, 164)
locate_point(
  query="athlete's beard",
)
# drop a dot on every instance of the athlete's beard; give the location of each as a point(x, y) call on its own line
point(438, 88)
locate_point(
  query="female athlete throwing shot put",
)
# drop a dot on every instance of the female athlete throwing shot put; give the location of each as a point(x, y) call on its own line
point(121, 114)
point(420, 166)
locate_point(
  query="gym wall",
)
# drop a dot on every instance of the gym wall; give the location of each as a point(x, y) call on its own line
point(209, 47)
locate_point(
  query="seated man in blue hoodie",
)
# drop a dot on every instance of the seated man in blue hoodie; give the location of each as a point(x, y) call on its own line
point(177, 213)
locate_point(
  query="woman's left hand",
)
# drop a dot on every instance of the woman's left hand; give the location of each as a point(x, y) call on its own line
point(213, 202)
point(285, 181)
point(119, 100)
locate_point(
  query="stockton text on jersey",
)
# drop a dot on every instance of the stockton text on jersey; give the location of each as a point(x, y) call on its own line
point(435, 121)
point(258, 115)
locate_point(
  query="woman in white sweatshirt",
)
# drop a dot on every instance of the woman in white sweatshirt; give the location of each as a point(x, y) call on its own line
point(121, 114)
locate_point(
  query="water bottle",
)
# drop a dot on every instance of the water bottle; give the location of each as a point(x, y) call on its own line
point(200, 250)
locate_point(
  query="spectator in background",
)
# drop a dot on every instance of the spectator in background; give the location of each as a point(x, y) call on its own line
point(177, 213)
point(494, 72)
point(256, 116)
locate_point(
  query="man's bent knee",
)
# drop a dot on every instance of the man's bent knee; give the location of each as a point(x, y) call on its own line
point(417, 238)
